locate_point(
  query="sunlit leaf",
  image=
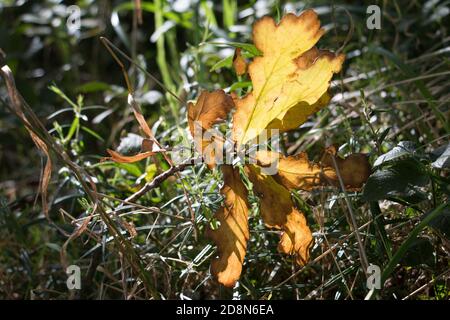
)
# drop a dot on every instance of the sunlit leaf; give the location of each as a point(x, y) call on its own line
point(232, 235)
point(291, 71)
point(298, 172)
point(278, 211)
point(210, 108)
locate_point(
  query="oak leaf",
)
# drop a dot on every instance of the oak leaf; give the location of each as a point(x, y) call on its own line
point(294, 172)
point(278, 211)
point(210, 108)
point(232, 235)
point(289, 73)
point(354, 169)
point(298, 114)
point(298, 172)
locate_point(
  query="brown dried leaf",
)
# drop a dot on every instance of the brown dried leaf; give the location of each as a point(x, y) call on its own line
point(16, 102)
point(210, 149)
point(139, 117)
point(46, 175)
point(354, 169)
point(147, 145)
point(232, 235)
point(239, 63)
point(117, 157)
point(278, 211)
point(297, 172)
point(210, 108)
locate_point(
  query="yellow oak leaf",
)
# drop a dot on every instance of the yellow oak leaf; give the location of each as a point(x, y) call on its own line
point(232, 235)
point(294, 172)
point(210, 108)
point(298, 114)
point(291, 71)
point(278, 211)
point(297, 172)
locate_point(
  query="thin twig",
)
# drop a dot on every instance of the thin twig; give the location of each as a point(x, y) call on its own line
point(426, 285)
point(159, 179)
point(109, 45)
point(362, 252)
point(138, 115)
point(320, 257)
point(137, 205)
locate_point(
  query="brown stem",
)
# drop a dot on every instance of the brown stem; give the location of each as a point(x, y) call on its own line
point(160, 179)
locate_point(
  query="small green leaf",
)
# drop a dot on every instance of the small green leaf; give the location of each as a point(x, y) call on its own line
point(150, 172)
point(224, 63)
point(442, 222)
point(54, 246)
point(130, 168)
point(73, 128)
point(92, 133)
point(402, 150)
point(240, 85)
point(93, 86)
point(250, 48)
point(399, 180)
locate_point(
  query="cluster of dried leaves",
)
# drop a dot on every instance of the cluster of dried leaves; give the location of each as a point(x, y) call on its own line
point(290, 82)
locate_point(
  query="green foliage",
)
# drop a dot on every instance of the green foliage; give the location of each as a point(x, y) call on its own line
point(403, 180)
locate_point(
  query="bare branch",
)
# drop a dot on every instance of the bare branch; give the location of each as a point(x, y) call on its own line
point(159, 179)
